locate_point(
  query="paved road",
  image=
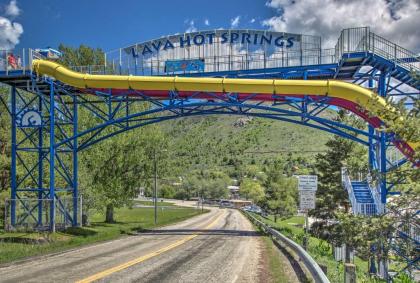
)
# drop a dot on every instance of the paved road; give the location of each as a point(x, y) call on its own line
point(219, 246)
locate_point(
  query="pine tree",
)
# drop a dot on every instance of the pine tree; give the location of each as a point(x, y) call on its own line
point(280, 192)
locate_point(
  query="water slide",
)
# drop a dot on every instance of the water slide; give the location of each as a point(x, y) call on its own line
point(354, 98)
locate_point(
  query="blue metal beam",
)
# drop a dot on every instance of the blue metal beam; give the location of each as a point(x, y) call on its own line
point(52, 159)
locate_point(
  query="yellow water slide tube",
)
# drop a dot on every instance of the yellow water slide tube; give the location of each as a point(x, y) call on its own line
point(364, 98)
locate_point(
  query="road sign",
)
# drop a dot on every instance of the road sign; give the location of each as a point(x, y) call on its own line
point(308, 182)
point(307, 199)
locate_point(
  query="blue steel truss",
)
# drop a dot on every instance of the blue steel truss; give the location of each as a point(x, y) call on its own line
point(60, 136)
point(48, 154)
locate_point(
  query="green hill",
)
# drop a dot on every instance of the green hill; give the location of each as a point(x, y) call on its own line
point(229, 141)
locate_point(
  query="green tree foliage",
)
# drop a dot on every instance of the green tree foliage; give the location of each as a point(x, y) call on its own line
point(81, 56)
point(204, 183)
point(166, 191)
point(280, 192)
point(5, 151)
point(214, 184)
point(402, 209)
point(251, 189)
point(361, 233)
point(114, 170)
point(189, 187)
point(341, 152)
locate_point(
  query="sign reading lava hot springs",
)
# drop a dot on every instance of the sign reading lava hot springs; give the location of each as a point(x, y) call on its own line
point(216, 51)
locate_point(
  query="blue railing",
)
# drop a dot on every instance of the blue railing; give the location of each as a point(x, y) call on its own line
point(363, 40)
point(360, 207)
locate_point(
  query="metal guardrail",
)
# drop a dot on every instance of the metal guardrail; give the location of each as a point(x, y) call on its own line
point(313, 267)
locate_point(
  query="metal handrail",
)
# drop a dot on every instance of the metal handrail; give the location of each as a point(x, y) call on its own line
point(358, 208)
point(362, 39)
point(345, 180)
point(250, 61)
point(312, 266)
point(374, 188)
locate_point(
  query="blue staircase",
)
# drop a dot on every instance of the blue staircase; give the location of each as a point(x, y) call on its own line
point(364, 198)
point(351, 63)
point(358, 47)
point(362, 192)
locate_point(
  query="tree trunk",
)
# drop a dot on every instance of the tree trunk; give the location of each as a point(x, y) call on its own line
point(275, 218)
point(85, 220)
point(109, 215)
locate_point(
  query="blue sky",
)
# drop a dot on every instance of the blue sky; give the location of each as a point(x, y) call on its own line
point(119, 23)
point(112, 24)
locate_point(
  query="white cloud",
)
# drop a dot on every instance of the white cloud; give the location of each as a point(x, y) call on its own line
point(10, 31)
point(234, 23)
point(206, 22)
point(396, 20)
point(12, 9)
point(252, 20)
point(191, 26)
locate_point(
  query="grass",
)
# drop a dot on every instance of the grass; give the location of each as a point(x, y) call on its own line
point(320, 250)
point(14, 246)
point(150, 203)
point(278, 272)
point(275, 265)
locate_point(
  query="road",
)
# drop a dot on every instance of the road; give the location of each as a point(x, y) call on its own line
point(219, 246)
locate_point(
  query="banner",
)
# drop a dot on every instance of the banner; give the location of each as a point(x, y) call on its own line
point(173, 66)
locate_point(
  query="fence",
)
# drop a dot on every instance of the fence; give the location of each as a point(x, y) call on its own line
point(363, 40)
point(249, 61)
point(350, 40)
point(35, 214)
point(13, 60)
point(317, 273)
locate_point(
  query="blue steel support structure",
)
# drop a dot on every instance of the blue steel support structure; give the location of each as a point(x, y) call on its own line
point(40, 166)
point(60, 104)
point(43, 175)
point(13, 157)
point(382, 91)
point(75, 162)
point(52, 159)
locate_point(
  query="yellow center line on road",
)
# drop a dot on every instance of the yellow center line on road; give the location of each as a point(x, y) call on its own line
point(138, 260)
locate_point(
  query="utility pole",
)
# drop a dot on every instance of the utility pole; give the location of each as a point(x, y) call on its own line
point(155, 181)
point(155, 184)
point(305, 237)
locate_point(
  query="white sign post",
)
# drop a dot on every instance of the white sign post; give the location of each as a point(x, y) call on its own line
point(308, 184)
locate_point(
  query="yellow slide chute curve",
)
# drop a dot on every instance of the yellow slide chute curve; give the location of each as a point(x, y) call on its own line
point(365, 98)
point(338, 89)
